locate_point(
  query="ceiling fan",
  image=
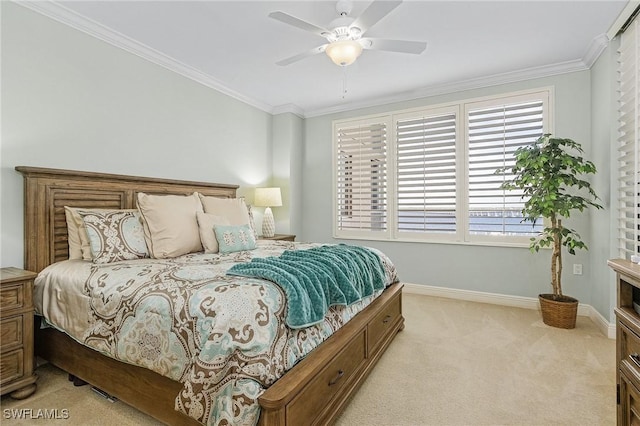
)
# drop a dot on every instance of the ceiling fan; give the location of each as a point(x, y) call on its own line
point(345, 34)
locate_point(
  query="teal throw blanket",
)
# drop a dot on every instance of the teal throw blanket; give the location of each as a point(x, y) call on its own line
point(317, 278)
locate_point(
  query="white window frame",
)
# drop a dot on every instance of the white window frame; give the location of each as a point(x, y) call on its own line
point(460, 108)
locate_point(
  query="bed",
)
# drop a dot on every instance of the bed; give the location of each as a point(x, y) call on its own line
point(313, 391)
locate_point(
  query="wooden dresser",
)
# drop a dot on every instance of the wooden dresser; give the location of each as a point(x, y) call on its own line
point(627, 340)
point(16, 328)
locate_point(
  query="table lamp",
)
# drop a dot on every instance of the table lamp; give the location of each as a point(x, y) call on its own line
point(268, 197)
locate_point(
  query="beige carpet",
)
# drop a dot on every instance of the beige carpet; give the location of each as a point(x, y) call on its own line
point(455, 363)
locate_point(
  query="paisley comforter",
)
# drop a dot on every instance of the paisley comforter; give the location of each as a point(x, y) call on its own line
point(224, 337)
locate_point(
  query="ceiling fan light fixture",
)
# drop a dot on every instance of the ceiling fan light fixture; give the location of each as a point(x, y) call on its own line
point(344, 52)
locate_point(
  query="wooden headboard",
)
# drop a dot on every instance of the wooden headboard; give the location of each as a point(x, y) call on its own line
point(47, 191)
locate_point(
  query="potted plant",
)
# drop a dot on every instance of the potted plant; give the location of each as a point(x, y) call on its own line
point(551, 172)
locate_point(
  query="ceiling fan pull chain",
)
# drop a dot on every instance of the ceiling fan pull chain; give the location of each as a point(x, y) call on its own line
point(344, 82)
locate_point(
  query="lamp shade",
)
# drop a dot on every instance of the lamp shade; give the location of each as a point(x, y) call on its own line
point(344, 52)
point(267, 197)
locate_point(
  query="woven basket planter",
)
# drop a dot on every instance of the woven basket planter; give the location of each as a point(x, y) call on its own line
point(558, 311)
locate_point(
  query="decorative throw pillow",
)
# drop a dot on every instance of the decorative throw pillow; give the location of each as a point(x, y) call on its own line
point(114, 235)
point(170, 224)
point(79, 246)
point(232, 238)
point(206, 223)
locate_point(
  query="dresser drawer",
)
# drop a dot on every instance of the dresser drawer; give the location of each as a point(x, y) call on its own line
point(12, 296)
point(11, 366)
point(379, 327)
point(321, 390)
point(629, 394)
point(11, 332)
point(629, 344)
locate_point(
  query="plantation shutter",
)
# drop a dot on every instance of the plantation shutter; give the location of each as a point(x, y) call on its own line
point(426, 173)
point(628, 138)
point(494, 133)
point(361, 177)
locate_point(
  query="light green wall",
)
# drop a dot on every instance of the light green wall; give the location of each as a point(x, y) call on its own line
point(287, 172)
point(71, 101)
point(510, 271)
point(604, 140)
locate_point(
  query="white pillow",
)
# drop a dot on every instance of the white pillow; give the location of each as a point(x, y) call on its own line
point(206, 223)
point(170, 224)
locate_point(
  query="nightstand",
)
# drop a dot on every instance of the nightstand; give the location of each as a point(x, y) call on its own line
point(281, 237)
point(16, 329)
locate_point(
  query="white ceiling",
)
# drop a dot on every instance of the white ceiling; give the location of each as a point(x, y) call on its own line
point(233, 45)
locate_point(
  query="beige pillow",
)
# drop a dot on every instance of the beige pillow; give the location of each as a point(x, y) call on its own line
point(170, 224)
point(206, 223)
point(232, 209)
point(79, 246)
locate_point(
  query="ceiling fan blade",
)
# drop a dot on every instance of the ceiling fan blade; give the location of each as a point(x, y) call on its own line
point(403, 46)
point(375, 12)
point(299, 23)
point(302, 55)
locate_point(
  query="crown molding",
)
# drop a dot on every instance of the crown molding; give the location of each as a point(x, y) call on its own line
point(597, 46)
point(288, 108)
point(442, 89)
point(66, 16)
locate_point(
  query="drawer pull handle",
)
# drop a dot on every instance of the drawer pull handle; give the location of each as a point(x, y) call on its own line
point(386, 319)
point(635, 358)
point(338, 377)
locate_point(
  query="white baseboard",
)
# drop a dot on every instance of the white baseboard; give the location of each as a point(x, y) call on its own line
point(607, 328)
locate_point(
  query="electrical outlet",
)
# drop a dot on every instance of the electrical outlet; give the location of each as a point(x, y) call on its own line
point(577, 269)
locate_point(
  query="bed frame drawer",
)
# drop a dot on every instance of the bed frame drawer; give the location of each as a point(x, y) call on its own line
point(385, 320)
point(304, 396)
point(328, 383)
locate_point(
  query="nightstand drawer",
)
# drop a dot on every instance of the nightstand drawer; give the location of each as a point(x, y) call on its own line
point(11, 332)
point(12, 297)
point(11, 366)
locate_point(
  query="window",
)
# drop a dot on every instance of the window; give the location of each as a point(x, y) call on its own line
point(629, 142)
point(426, 172)
point(495, 129)
point(429, 174)
point(361, 177)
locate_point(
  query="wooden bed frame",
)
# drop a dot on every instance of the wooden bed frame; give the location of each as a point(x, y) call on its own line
point(314, 392)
